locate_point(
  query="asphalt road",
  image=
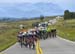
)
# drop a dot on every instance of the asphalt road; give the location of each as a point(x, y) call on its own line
point(49, 46)
point(16, 49)
point(57, 46)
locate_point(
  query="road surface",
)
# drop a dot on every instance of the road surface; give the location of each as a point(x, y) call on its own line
point(49, 46)
point(16, 49)
point(57, 46)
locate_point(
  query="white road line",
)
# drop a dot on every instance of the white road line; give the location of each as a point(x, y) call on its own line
point(66, 40)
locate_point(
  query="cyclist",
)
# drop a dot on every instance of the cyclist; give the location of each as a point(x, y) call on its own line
point(49, 31)
point(20, 38)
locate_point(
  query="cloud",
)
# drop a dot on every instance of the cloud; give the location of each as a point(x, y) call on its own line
point(34, 1)
point(65, 4)
point(20, 1)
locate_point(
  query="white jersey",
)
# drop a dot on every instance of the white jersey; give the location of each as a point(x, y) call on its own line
point(20, 35)
point(24, 33)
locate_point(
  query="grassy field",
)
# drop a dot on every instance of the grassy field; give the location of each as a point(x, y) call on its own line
point(66, 29)
point(8, 34)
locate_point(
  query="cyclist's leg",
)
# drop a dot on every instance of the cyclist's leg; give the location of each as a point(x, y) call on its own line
point(21, 41)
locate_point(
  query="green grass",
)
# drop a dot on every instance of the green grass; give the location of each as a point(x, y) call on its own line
point(66, 29)
point(8, 38)
point(8, 33)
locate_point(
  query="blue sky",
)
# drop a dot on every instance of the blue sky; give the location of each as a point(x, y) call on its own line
point(59, 5)
point(65, 4)
point(33, 1)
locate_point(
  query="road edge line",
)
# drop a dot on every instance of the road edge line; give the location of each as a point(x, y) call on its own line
point(66, 40)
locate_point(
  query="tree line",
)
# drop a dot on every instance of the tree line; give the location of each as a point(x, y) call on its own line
point(69, 15)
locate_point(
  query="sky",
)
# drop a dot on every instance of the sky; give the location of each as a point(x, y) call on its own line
point(65, 4)
point(34, 1)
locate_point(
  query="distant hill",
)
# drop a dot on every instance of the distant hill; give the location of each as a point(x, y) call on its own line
point(29, 10)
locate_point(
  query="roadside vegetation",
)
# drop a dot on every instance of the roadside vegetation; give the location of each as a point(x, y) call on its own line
point(8, 34)
point(66, 29)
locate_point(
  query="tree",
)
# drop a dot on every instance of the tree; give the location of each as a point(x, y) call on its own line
point(67, 14)
point(41, 17)
point(73, 15)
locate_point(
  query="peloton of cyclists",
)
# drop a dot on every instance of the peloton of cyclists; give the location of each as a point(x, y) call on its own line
point(29, 37)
